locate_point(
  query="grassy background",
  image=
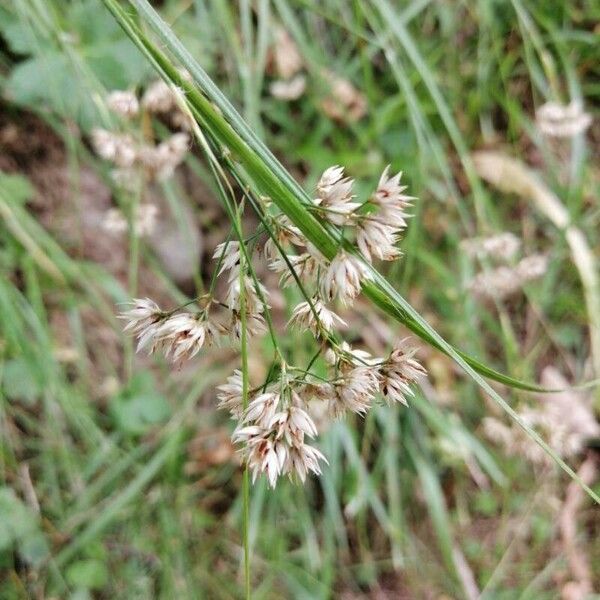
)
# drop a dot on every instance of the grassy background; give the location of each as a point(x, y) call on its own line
point(118, 477)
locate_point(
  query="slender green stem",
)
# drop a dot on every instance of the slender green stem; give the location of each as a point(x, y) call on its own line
point(246, 479)
point(134, 260)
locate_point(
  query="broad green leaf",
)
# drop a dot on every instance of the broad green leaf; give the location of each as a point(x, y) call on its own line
point(19, 528)
point(140, 406)
point(16, 187)
point(19, 383)
point(89, 574)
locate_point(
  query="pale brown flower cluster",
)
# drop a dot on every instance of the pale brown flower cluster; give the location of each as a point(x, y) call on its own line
point(341, 100)
point(131, 155)
point(504, 281)
point(275, 419)
point(562, 121)
point(180, 334)
point(135, 159)
point(375, 227)
point(564, 418)
point(509, 276)
point(278, 417)
point(287, 65)
point(143, 222)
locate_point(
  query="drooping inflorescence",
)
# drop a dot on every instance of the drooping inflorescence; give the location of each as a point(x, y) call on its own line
point(135, 158)
point(275, 423)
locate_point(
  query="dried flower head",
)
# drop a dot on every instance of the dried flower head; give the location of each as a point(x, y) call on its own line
point(389, 197)
point(343, 278)
point(144, 220)
point(334, 196)
point(276, 445)
point(376, 239)
point(288, 90)
point(501, 247)
point(143, 313)
point(343, 102)
point(274, 426)
point(230, 395)
point(183, 335)
point(286, 57)
point(120, 149)
point(506, 281)
point(398, 373)
point(123, 103)
point(354, 391)
point(317, 318)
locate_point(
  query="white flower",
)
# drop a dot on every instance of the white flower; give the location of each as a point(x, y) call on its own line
point(305, 267)
point(335, 195)
point(376, 238)
point(144, 312)
point(262, 409)
point(184, 334)
point(288, 90)
point(391, 200)
point(302, 458)
point(398, 373)
point(252, 300)
point(279, 447)
point(330, 177)
point(144, 321)
point(120, 149)
point(149, 338)
point(344, 277)
point(230, 394)
point(502, 246)
point(123, 103)
point(229, 255)
point(292, 425)
point(556, 120)
point(354, 391)
point(264, 455)
point(303, 317)
point(162, 160)
point(158, 98)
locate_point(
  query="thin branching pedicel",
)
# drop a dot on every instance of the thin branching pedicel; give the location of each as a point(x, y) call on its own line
point(277, 425)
